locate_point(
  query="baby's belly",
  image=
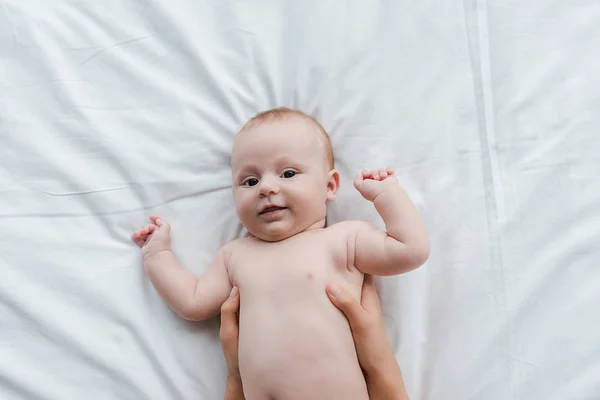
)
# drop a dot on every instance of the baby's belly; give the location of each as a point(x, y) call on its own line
point(298, 349)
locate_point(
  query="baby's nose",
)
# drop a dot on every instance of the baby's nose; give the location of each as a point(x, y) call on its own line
point(268, 186)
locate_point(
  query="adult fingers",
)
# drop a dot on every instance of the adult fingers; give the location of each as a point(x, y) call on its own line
point(347, 304)
point(229, 320)
point(370, 298)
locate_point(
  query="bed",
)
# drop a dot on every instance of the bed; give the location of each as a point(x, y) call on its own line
point(488, 110)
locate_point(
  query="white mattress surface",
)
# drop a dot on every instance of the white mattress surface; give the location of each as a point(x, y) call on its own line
point(113, 110)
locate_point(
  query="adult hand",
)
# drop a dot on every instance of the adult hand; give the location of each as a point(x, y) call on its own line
point(229, 335)
point(375, 354)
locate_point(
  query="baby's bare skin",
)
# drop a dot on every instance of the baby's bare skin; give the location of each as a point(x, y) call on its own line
point(309, 353)
point(281, 185)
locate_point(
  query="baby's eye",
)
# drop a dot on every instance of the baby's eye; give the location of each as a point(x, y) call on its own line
point(251, 182)
point(289, 174)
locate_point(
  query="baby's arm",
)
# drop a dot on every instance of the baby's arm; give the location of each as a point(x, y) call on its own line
point(405, 245)
point(191, 297)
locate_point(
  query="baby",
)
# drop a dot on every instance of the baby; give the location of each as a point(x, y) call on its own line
point(283, 178)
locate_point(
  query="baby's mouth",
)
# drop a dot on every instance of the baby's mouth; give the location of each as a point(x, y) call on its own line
point(271, 209)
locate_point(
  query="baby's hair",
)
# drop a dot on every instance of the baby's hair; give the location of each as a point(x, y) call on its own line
point(280, 113)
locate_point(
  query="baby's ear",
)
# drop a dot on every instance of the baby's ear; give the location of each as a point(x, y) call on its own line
point(333, 184)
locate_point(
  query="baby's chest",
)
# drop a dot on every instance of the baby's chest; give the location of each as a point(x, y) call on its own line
point(276, 264)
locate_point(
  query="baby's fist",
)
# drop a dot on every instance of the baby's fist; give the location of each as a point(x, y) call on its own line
point(372, 183)
point(154, 237)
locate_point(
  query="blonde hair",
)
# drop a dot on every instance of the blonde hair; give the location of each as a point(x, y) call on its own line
point(279, 113)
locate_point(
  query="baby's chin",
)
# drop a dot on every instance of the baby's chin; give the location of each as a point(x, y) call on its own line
point(273, 236)
point(275, 233)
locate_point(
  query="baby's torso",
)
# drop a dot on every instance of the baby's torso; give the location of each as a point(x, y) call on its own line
point(294, 343)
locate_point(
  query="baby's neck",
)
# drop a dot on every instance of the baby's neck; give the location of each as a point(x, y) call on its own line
point(320, 224)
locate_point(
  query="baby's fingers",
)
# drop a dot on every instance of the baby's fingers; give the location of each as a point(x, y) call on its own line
point(157, 220)
point(148, 229)
point(141, 236)
point(358, 180)
point(160, 222)
point(376, 174)
point(138, 238)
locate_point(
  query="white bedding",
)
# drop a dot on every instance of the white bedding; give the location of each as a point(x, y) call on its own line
point(113, 110)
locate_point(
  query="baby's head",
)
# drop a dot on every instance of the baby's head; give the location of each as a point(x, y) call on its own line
point(283, 176)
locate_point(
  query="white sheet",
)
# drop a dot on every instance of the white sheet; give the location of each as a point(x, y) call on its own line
point(112, 110)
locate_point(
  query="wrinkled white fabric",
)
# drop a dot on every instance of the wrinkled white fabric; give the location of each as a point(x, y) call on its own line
point(113, 110)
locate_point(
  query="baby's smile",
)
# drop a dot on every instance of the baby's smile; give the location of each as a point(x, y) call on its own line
point(272, 213)
point(269, 209)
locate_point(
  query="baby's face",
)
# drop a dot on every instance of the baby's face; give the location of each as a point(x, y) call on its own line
point(281, 178)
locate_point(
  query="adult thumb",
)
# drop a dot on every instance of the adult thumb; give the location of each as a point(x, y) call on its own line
point(346, 303)
point(229, 310)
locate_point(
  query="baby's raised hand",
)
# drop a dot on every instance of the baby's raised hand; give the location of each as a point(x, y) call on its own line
point(154, 237)
point(372, 183)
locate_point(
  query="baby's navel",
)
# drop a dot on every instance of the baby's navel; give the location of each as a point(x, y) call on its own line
point(310, 276)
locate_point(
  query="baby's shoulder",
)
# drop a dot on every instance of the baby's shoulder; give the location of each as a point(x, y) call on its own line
point(241, 244)
point(348, 228)
point(229, 252)
point(227, 249)
point(234, 244)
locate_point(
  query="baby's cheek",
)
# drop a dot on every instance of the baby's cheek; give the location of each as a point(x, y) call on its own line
point(242, 204)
